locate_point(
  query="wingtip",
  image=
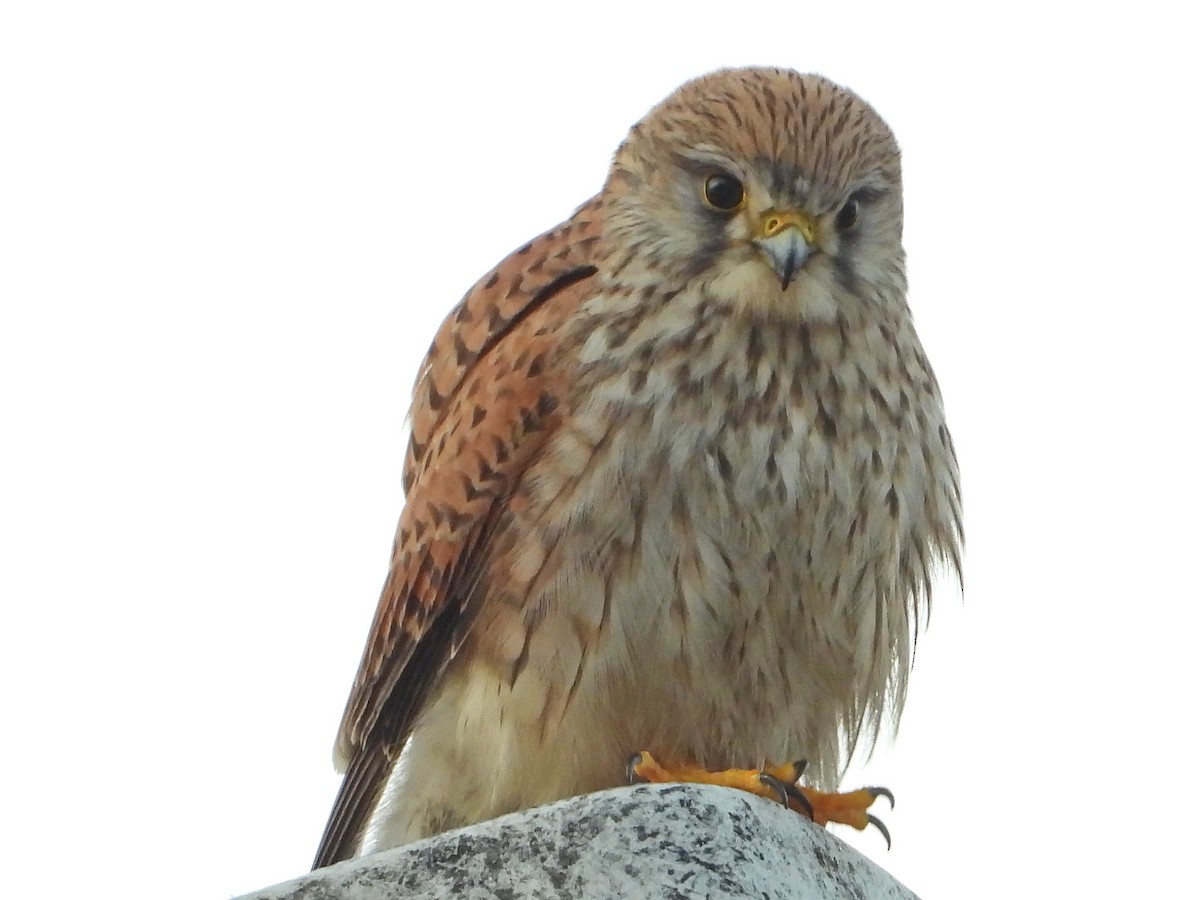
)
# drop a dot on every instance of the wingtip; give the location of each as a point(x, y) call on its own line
point(361, 787)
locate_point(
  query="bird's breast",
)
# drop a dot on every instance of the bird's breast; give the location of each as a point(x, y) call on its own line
point(719, 530)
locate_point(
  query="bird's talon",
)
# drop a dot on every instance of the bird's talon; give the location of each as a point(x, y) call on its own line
point(775, 784)
point(887, 836)
point(631, 772)
point(778, 782)
point(794, 793)
point(882, 792)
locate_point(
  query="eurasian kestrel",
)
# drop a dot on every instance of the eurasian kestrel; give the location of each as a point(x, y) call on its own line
point(678, 479)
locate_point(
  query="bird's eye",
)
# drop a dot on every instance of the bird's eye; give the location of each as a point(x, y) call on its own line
point(724, 192)
point(848, 214)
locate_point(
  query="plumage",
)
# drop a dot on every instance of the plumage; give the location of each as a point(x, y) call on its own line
point(679, 478)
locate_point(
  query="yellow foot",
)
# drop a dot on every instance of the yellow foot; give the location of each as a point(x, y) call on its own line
point(776, 783)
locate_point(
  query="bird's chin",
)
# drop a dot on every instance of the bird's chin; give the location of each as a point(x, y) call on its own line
point(755, 290)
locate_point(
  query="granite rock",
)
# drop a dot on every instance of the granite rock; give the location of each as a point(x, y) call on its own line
point(670, 841)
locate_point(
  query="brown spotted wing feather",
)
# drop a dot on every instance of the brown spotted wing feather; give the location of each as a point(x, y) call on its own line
point(484, 403)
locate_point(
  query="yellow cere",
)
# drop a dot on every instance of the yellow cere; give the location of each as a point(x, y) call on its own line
point(774, 222)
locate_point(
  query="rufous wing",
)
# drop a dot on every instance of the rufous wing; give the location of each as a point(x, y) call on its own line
point(487, 398)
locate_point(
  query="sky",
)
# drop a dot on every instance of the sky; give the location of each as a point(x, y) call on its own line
point(228, 232)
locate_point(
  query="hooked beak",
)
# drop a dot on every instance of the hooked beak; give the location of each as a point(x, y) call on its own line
point(787, 239)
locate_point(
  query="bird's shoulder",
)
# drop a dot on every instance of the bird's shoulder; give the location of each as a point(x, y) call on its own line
point(476, 338)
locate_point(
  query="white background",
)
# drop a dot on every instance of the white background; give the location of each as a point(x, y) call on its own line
point(227, 233)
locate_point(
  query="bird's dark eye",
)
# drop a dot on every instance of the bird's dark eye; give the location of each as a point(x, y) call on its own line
point(848, 214)
point(723, 192)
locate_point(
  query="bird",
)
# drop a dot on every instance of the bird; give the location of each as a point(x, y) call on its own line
point(678, 484)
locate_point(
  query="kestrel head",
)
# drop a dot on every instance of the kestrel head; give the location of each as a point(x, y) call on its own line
point(778, 192)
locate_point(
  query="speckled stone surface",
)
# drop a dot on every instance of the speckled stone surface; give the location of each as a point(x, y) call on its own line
point(670, 841)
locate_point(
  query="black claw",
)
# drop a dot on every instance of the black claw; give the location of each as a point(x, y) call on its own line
point(882, 829)
point(799, 796)
point(779, 787)
point(882, 792)
point(631, 774)
point(787, 792)
point(794, 791)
